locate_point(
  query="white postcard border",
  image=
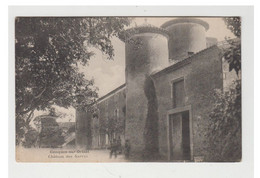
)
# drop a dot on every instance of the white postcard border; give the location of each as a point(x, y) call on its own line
point(201, 170)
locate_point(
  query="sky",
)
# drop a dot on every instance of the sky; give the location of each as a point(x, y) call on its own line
point(109, 74)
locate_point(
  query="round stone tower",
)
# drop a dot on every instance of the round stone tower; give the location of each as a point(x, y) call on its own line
point(187, 36)
point(146, 51)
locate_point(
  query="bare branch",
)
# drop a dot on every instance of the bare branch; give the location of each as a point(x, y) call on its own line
point(40, 94)
point(29, 118)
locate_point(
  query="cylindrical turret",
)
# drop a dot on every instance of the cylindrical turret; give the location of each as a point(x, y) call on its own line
point(146, 49)
point(187, 36)
point(83, 129)
point(146, 52)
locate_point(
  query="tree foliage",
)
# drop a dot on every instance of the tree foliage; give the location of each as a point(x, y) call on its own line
point(233, 53)
point(234, 25)
point(110, 125)
point(223, 129)
point(224, 125)
point(45, 132)
point(51, 134)
point(48, 51)
point(30, 138)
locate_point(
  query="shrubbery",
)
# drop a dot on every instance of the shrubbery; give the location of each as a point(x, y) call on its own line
point(223, 131)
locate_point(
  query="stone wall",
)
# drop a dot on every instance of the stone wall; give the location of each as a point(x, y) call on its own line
point(163, 82)
point(204, 78)
point(145, 53)
point(106, 111)
point(202, 74)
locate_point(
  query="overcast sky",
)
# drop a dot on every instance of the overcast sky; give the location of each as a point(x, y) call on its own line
point(109, 74)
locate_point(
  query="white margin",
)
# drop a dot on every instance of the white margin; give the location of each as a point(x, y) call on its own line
point(200, 170)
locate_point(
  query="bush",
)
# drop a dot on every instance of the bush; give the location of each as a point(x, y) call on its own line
point(30, 138)
point(51, 134)
point(223, 132)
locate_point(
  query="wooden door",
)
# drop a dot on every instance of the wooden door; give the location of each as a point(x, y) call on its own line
point(179, 130)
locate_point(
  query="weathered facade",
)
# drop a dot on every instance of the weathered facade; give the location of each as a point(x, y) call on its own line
point(170, 73)
point(109, 119)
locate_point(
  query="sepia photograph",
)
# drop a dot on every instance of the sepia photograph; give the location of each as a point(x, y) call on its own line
point(104, 89)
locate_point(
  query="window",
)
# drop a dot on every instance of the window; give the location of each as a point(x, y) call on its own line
point(178, 93)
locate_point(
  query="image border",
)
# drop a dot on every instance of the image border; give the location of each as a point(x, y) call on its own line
point(201, 170)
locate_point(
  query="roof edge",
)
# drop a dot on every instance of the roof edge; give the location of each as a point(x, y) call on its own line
point(185, 20)
point(142, 29)
point(182, 62)
point(111, 92)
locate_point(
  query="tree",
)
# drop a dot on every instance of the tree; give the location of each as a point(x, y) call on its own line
point(223, 129)
point(48, 51)
point(233, 53)
point(111, 126)
point(30, 138)
point(51, 133)
point(234, 25)
point(224, 125)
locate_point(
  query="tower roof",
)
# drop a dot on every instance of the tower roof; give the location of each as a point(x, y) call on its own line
point(142, 29)
point(185, 20)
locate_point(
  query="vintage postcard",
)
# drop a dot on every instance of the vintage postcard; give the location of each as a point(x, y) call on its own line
point(128, 89)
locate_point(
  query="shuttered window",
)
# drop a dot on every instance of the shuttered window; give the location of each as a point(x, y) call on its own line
point(178, 93)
